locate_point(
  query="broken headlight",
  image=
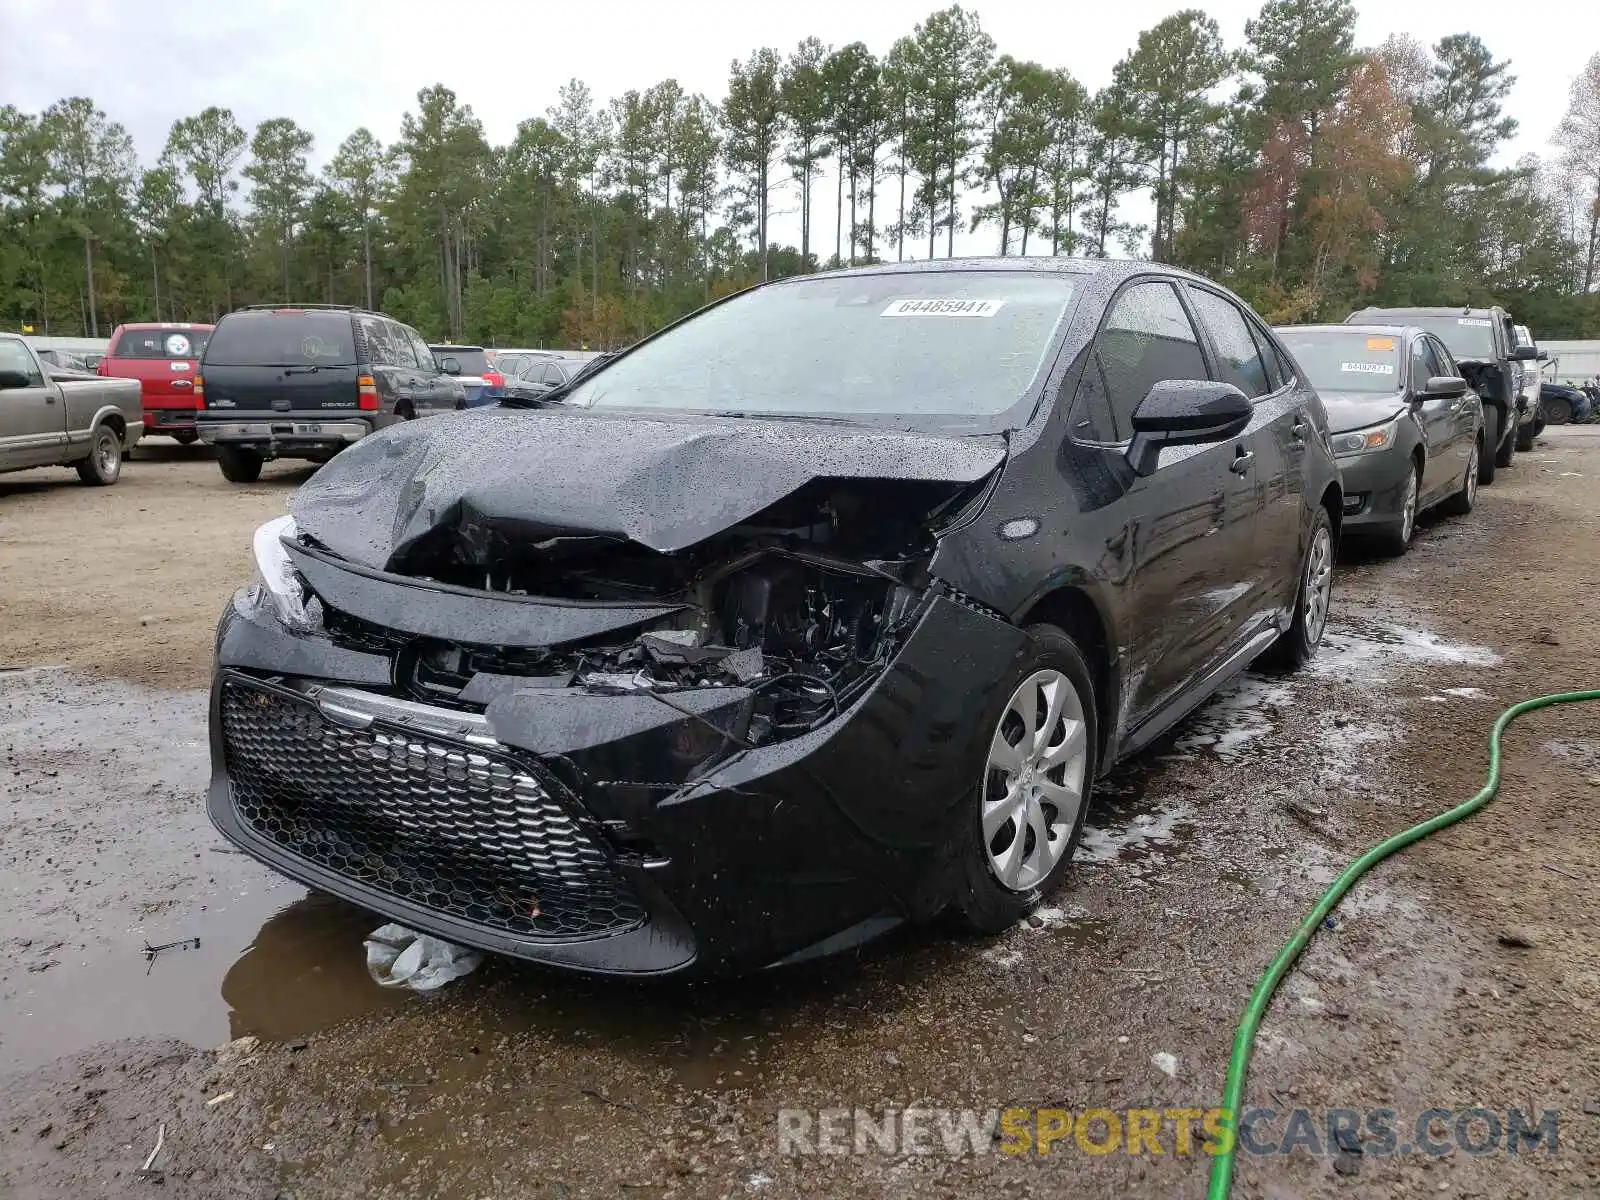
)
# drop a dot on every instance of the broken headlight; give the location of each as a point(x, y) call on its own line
point(277, 586)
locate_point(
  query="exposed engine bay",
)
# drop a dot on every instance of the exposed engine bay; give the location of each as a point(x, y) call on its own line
point(803, 603)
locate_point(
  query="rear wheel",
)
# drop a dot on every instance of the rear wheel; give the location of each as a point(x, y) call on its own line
point(103, 466)
point(1460, 504)
point(187, 438)
point(1027, 808)
point(1297, 645)
point(239, 465)
point(1395, 539)
point(1491, 434)
point(1558, 411)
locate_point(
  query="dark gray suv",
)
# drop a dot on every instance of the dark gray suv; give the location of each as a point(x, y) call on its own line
point(819, 611)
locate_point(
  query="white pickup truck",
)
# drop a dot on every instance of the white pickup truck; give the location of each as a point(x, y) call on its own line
point(63, 420)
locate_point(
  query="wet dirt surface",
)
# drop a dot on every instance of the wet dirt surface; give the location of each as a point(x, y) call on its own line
point(1124, 992)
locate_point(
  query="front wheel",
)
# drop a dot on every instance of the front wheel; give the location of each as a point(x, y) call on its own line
point(1461, 503)
point(103, 466)
point(1558, 411)
point(239, 465)
point(1027, 807)
point(1395, 539)
point(1525, 435)
point(1297, 645)
point(1491, 434)
point(1506, 448)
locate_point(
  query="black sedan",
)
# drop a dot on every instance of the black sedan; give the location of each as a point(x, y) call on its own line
point(1407, 430)
point(815, 613)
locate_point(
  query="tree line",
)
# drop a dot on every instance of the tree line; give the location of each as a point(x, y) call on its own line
point(1309, 174)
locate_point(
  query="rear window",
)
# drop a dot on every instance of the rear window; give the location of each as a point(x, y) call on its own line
point(162, 343)
point(283, 339)
point(473, 362)
point(1467, 337)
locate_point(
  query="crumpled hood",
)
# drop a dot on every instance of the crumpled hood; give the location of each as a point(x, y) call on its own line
point(1357, 410)
point(664, 482)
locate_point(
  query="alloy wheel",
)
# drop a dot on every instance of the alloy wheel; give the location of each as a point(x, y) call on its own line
point(1033, 787)
point(1318, 585)
point(1408, 510)
point(1472, 476)
point(107, 454)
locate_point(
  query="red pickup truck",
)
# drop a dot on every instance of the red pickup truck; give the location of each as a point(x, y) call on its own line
point(164, 357)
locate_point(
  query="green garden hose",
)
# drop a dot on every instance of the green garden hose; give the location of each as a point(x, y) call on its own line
point(1244, 1040)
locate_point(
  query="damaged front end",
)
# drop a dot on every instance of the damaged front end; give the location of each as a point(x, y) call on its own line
point(723, 754)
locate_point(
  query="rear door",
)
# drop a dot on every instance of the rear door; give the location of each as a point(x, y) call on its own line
point(439, 392)
point(392, 361)
point(274, 361)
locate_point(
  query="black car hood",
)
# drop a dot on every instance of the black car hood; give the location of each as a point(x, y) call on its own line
point(1357, 410)
point(664, 482)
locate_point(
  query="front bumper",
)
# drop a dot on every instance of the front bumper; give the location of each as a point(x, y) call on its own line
point(1374, 487)
point(699, 856)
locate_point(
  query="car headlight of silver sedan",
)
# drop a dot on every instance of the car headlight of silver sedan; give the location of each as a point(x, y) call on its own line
point(1366, 441)
point(277, 587)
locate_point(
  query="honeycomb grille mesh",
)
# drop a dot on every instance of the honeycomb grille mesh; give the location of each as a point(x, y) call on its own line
point(472, 834)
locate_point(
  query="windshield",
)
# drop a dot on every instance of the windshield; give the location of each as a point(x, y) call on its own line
point(162, 343)
point(1466, 337)
point(283, 339)
point(1336, 361)
point(473, 362)
point(946, 345)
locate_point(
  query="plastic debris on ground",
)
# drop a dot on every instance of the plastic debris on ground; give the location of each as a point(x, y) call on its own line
point(401, 957)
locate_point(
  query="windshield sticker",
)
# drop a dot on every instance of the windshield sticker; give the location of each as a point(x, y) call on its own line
point(178, 345)
point(942, 308)
point(1361, 368)
point(1380, 343)
point(1480, 322)
point(314, 347)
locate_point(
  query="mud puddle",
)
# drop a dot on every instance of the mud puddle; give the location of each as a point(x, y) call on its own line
point(105, 849)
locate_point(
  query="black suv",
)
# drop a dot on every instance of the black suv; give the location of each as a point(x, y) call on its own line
point(304, 381)
point(1484, 343)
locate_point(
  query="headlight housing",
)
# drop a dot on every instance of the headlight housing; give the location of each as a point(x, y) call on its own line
point(1366, 441)
point(278, 587)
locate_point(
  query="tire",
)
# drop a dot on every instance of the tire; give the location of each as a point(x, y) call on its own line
point(997, 888)
point(1506, 448)
point(1486, 460)
point(1394, 540)
point(1526, 434)
point(1297, 645)
point(186, 438)
point(103, 465)
point(1462, 501)
point(239, 466)
point(1558, 411)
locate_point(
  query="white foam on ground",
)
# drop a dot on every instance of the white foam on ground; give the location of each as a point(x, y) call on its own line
point(1353, 654)
point(1146, 831)
point(1235, 717)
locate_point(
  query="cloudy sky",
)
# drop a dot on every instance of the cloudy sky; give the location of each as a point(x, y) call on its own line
point(334, 65)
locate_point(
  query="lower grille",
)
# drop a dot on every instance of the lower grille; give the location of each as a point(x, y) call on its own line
point(470, 833)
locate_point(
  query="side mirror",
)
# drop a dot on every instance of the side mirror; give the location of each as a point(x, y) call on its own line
point(1444, 387)
point(1185, 412)
point(1544, 356)
point(450, 366)
point(1525, 354)
point(12, 379)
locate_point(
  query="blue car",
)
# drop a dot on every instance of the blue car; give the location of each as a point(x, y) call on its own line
point(1562, 405)
point(470, 365)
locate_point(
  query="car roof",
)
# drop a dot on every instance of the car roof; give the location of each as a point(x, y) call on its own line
point(1395, 330)
point(1452, 311)
point(141, 326)
point(452, 346)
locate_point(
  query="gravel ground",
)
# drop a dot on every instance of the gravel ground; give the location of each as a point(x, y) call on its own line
point(1463, 974)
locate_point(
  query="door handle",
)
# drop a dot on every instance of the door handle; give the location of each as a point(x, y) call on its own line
point(1241, 464)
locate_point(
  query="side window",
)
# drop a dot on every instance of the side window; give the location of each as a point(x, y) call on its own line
point(1091, 407)
point(14, 356)
point(1441, 354)
point(420, 349)
point(1239, 358)
point(1147, 338)
point(379, 337)
point(1421, 366)
point(554, 375)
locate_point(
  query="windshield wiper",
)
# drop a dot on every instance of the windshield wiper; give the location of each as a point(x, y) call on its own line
point(782, 416)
